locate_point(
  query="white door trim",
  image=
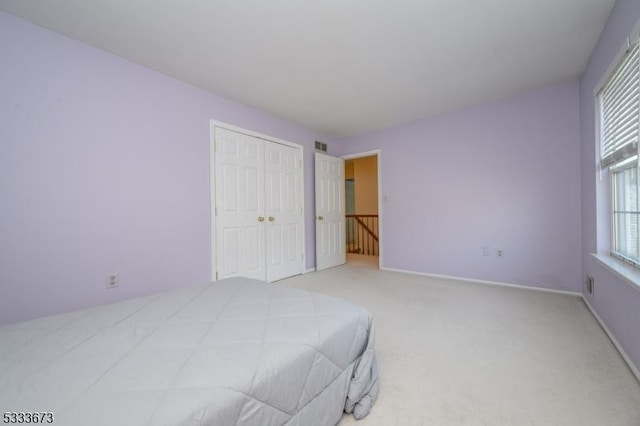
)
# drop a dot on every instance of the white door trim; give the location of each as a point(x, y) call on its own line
point(212, 186)
point(212, 199)
point(377, 153)
point(215, 123)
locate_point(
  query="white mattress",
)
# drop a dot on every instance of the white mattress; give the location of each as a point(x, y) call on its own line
point(234, 352)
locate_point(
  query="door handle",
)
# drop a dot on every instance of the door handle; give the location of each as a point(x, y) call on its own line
point(320, 218)
point(272, 219)
point(260, 219)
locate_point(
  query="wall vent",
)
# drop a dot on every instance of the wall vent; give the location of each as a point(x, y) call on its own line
point(321, 146)
point(589, 283)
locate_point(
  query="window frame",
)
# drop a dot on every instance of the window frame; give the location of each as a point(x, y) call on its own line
point(618, 166)
point(613, 195)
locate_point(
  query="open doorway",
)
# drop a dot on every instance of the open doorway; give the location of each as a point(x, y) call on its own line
point(362, 209)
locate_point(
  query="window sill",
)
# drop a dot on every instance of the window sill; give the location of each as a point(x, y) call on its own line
point(628, 273)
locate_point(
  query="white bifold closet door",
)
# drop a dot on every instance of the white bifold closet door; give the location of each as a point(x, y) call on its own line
point(283, 199)
point(258, 193)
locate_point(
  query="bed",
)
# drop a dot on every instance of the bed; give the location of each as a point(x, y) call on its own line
point(235, 352)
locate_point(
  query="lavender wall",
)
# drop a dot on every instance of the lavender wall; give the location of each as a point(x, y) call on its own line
point(615, 301)
point(504, 175)
point(104, 167)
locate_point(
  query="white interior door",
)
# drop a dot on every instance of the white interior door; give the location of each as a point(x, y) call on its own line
point(283, 197)
point(240, 207)
point(330, 211)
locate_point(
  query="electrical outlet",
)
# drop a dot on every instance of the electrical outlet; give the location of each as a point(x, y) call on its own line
point(499, 253)
point(112, 281)
point(486, 251)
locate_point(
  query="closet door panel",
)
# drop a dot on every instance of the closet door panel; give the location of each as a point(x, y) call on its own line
point(283, 194)
point(239, 182)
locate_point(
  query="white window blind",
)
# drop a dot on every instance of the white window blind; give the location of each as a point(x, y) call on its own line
point(620, 109)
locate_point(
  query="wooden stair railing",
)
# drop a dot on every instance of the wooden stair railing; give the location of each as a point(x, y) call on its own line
point(362, 234)
point(364, 225)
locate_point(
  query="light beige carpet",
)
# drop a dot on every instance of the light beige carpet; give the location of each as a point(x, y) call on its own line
point(457, 353)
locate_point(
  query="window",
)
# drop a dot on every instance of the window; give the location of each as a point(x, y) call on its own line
point(619, 108)
point(625, 211)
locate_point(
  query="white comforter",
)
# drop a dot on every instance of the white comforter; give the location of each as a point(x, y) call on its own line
point(236, 352)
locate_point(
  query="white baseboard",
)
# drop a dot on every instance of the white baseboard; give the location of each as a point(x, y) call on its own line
point(471, 280)
point(613, 339)
point(309, 270)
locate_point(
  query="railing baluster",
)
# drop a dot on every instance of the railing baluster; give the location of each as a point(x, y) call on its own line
point(370, 251)
point(366, 219)
point(366, 241)
point(366, 244)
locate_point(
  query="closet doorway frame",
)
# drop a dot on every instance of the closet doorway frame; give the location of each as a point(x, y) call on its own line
point(212, 187)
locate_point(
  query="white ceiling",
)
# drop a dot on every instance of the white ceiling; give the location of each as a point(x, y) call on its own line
point(342, 66)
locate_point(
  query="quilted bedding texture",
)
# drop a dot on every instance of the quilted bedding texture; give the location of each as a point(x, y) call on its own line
point(236, 352)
